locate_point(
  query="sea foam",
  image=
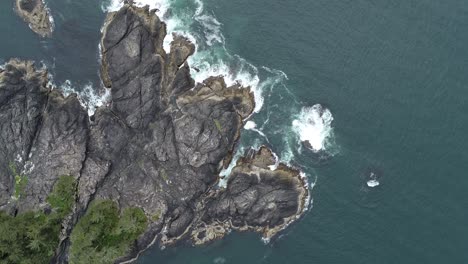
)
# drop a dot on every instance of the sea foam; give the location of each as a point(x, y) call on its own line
point(115, 5)
point(373, 181)
point(314, 126)
point(87, 95)
point(251, 125)
point(211, 57)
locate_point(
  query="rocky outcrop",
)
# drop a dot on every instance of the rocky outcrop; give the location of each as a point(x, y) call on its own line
point(43, 135)
point(159, 145)
point(36, 14)
point(260, 196)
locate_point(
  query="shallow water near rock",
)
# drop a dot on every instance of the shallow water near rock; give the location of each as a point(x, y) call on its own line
point(394, 76)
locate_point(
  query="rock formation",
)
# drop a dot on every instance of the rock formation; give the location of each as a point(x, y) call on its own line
point(159, 145)
point(36, 14)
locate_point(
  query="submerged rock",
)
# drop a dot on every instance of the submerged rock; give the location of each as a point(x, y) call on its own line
point(159, 145)
point(37, 15)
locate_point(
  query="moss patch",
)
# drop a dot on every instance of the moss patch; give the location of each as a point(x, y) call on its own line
point(155, 217)
point(20, 181)
point(218, 125)
point(164, 175)
point(104, 234)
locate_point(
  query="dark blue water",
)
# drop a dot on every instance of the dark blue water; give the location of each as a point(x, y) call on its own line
point(393, 74)
point(71, 54)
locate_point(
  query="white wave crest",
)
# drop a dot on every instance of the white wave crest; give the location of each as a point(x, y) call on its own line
point(237, 71)
point(87, 95)
point(210, 58)
point(111, 5)
point(314, 126)
point(115, 5)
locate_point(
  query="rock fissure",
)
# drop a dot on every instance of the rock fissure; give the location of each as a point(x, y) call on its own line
point(159, 146)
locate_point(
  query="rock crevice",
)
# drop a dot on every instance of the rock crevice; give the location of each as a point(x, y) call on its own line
point(159, 145)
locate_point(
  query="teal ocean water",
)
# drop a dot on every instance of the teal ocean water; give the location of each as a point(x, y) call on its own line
point(376, 87)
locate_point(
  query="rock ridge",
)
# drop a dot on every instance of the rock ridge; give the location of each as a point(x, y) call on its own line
point(159, 145)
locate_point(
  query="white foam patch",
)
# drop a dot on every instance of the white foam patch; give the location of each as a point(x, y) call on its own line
point(115, 5)
point(277, 162)
point(87, 95)
point(314, 126)
point(204, 63)
point(243, 73)
point(227, 171)
point(112, 5)
point(373, 183)
point(212, 29)
point(308, 200)
point(219, 260)
point(51, 18)
point(251, 125)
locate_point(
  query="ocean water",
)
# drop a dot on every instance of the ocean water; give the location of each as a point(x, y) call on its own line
point(378, 88)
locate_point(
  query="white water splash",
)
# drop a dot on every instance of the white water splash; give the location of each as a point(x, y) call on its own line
point(114, 5)
point(251, 125)
point(224, 174)
point(87, 95)
point(373, 182)
point(210, 58)
point(314, 126)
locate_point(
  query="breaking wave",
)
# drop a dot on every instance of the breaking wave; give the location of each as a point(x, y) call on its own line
point(87, 95)
point(314, 127)
point(274, 102)
point(211, 57)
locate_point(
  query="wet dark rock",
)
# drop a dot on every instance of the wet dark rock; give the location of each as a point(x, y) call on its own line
point(43, 135)
point(258, 197)
point(36, 14)
point(160, 144)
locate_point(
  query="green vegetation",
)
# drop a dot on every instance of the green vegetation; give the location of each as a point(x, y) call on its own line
point(20, 181)
point(32, 237)
point(155, 217)
point(164, 175)
point(62, 197)
point(218, 125)
point(103, 234)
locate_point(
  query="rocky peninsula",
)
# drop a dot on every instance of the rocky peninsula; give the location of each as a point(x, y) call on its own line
point(37, 15)
point(140, 171)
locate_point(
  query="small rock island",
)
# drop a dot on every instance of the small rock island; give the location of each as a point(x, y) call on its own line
point(36, 14)
point(143, 170)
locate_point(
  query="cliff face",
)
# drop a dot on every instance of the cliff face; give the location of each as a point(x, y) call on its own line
point(159, 146)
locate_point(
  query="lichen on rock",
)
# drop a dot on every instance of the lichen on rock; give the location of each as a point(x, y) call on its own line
point(159, 145)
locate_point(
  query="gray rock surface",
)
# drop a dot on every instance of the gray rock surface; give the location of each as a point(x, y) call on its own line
point(37, 15)
point(160, 144)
